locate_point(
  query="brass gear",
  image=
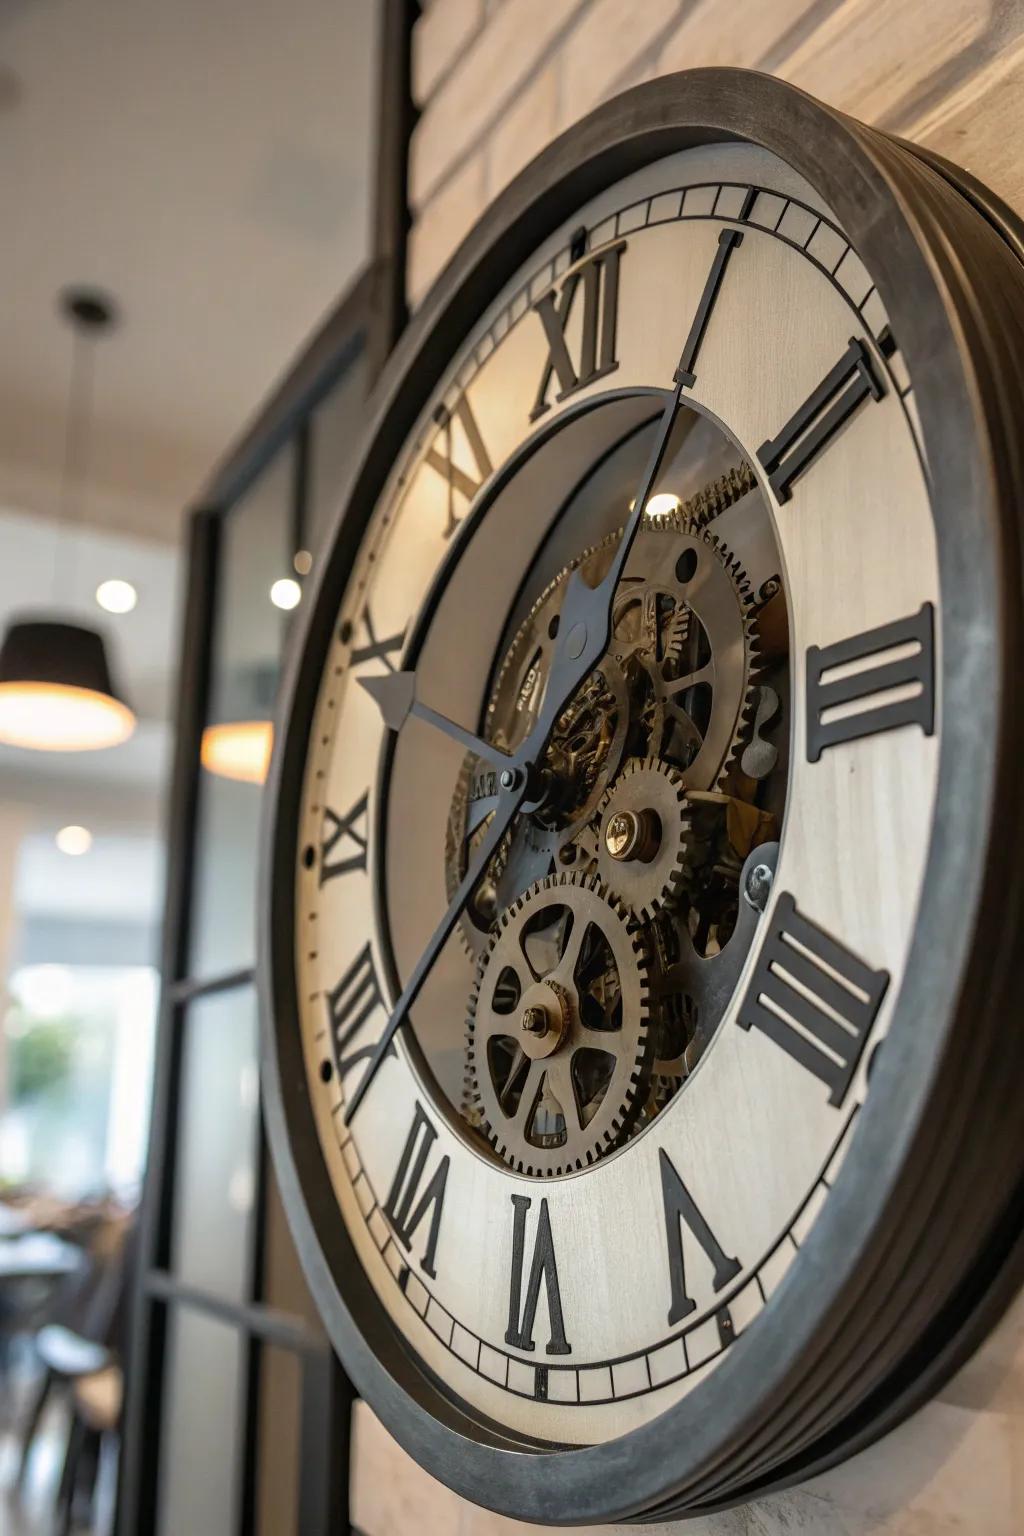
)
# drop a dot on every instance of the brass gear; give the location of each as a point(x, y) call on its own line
point(559, 1042)
point(645, 835)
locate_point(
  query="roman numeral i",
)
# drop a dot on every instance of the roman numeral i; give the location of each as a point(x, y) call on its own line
point(521, 1317)
point(813, 998)
point(598, 275)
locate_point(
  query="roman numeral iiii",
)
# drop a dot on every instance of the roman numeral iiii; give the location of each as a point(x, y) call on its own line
point(598, 276)
point(349, 1006)
point(812, 997)
point(542, 1268)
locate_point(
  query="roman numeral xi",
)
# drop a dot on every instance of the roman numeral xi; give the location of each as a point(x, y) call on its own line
point(441, 458)
point(598, 277)
point(813, 998)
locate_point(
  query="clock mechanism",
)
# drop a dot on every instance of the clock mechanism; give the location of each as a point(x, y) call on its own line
point(601, 913)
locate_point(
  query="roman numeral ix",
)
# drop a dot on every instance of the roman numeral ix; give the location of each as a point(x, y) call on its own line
point(813, 998)
point(810, 429)
point(351, 832)
point(349, 1006)
point(680, 1207)
point(889, 671)
point(542, 1268)
point(404, 1215)
point(440, 458)
point(599, 277)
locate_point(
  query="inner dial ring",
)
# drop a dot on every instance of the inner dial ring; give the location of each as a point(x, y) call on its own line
point(667, 721)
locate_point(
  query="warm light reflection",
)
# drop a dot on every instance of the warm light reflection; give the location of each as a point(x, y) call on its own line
point(238, 750)
point(54, 717)
point(116, 596)
point(662, 505)
point(74, 840)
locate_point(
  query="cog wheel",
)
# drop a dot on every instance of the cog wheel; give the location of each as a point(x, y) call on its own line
point(644, 836)
point(712, 500)
point(559, 1042)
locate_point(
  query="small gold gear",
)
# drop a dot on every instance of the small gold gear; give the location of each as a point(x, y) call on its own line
point(644, 835)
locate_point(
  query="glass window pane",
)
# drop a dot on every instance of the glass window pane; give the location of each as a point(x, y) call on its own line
point(336, 428)
point(201, 1437)
point(248, 636)
point(217, 1144)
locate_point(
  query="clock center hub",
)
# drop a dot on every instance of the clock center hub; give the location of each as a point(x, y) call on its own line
point(632, 835)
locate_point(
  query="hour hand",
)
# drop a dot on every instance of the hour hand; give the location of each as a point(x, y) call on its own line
point(395, 695)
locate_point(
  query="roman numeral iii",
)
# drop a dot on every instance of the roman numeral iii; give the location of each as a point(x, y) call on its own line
point(813, 998)
point(349, 1006)
point(680, 1208)
point(542, 1268)
point(810, 429)
point(888, 671)
point(405, 1206)
point(598, 276)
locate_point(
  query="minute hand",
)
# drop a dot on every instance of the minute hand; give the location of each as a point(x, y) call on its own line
point(585, 621)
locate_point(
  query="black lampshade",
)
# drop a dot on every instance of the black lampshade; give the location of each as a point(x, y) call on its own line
point(56, 691)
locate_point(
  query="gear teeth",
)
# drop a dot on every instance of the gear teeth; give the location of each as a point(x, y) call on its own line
point(712, 500)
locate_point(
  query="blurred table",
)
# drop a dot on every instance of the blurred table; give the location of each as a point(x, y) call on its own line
point(37, 1256)
point(12, 1221)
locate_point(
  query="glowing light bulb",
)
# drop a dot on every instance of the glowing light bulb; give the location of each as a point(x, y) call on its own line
point(285, 593)
point(74, 840)
point(116, 596)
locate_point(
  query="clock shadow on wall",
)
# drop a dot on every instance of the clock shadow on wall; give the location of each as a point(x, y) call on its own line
point(639, 890)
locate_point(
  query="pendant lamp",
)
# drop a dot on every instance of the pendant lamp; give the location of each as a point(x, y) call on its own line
point(56, 689)
point(238, 742)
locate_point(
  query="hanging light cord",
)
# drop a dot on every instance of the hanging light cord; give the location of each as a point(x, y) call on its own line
point(74, 472)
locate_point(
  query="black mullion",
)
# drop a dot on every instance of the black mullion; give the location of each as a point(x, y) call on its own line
point(267, 1323)
point(254, 1350)
point(138, 1475)
point(392, 220)
point(189, 989)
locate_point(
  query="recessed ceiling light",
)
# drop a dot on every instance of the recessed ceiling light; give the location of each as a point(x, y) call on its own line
point(74, 840)
point(116, 596)
point(285, 593)
point(302, 561)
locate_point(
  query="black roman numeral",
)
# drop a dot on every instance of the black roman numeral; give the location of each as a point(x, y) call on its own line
point(346, 830)
point(375, 649)
point(681, 1207)
point(441, 459)
point(912, 671)
point(728, 241)
point(399, 1208)
point(521, 1319)
point(349, 1005)
point(816, 423)
point(812, 997)
point(599, 276)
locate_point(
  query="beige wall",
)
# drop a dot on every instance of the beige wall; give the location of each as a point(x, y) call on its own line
point(496, 80)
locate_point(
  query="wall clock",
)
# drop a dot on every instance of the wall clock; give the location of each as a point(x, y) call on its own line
point(642, 881)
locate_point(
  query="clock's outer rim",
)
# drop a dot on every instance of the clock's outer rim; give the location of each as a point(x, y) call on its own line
point(967, 412)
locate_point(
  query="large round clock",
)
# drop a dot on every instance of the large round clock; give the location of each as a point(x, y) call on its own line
point(642, 887)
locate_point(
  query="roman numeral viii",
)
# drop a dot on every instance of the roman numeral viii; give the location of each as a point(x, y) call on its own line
point(680, 1207)
point(348, 831)
point(542, 1268)
point(598, 276)
point(441, 457)
point(813, 998)
point(810, 429)
point(405, 1206)
point(349, 1006)
point(872, 682)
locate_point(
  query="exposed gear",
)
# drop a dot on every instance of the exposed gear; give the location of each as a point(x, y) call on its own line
point(559, 1040)
point(644, 833)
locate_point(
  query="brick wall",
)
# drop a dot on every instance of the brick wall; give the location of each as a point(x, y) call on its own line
point(495, 80)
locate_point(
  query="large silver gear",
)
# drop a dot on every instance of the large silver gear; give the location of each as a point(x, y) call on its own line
point(559, 1043)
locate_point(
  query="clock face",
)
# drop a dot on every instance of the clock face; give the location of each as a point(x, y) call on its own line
point(615, 800)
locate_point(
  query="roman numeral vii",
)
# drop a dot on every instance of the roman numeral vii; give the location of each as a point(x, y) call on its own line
point(598, 276)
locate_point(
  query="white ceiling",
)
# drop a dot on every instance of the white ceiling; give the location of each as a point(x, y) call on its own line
point(208, 163)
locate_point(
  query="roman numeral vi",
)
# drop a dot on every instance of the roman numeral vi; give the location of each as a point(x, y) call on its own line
point(404, 1216)
point(813, 998)
point(543, 1268)
point(598, 275)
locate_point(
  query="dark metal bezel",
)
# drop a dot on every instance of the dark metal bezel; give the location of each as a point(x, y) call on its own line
point(954, 986)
